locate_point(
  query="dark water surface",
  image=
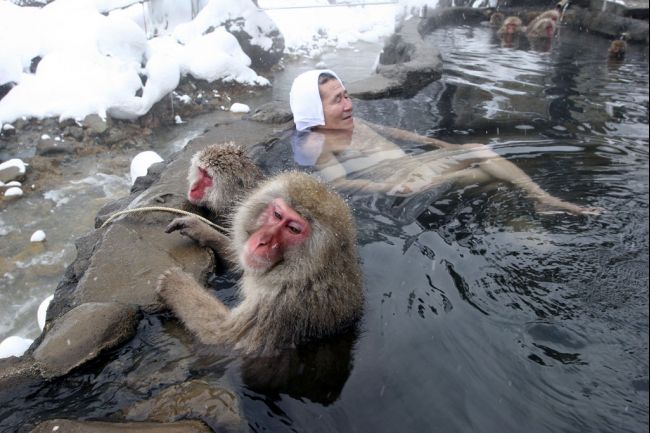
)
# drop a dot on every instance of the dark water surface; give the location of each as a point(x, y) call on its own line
point(481, 314)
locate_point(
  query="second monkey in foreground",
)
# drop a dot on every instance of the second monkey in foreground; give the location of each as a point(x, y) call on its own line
point(294, 240)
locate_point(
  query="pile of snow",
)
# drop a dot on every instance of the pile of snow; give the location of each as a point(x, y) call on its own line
point(141, 163)
point(311, 27)
point(93, 63)
point(15, 345)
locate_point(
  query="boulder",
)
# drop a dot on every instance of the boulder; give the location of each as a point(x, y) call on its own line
point(406, 65)
point(82, 333)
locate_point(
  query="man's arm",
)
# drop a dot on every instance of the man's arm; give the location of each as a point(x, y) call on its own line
point(402, 134)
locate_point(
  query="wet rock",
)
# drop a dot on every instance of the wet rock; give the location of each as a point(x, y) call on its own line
point(115, 135)
point(9, 172)
point(17, 372)
point(217, 406)
point(407, 64)
point(139, 248)
point(95, 124)
point(74, 131)
point(71, 426)
point(273, 113)
point(8, 130)
point(82, 333)
point(453, 16)
point(47, 146)
point(607, 24)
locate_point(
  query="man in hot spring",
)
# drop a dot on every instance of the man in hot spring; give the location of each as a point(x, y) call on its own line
point(350, 153)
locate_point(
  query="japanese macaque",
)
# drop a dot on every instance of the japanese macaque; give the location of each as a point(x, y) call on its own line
point(617, 49)
point(294, 240)
point(511, 26)
point(219, 176)
point(496, 19)
point(541, 29)
point(552, 14)
point(511, 32)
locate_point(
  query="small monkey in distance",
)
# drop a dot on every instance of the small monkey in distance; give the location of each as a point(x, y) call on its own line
point(617, 49)
point(294, 240)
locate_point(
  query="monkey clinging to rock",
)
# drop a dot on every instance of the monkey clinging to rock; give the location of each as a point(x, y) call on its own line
point(294, 240)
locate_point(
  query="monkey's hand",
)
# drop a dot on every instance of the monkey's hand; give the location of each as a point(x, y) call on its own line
point(199, 231)
point(170, 283)
point(201, 312)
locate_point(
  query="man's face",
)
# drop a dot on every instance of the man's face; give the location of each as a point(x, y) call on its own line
point(337, 106)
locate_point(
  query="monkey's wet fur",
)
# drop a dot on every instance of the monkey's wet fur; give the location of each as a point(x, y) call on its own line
point(294, 240)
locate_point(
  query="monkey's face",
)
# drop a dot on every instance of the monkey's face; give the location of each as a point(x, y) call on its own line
point(281, 230)
point(512, 27)
point(201, 182)
point(337, 106)
point(550, 28)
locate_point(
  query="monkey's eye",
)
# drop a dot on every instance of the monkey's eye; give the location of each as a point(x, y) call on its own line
point(277, 215)
point(295, 228)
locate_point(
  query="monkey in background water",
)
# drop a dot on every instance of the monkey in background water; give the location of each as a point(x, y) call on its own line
point(617, 50)
point(294, 240)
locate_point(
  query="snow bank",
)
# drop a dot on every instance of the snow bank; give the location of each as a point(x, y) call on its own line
point(92, 63)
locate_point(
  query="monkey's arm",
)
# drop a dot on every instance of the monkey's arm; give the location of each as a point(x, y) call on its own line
point(201, 232)
point(201, 312)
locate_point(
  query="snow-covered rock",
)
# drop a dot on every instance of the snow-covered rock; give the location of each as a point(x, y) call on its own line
point(141, 163)
point(14, 346)
point(14, 191)
point(238, 107)
point(37, 236)
point(12, 169)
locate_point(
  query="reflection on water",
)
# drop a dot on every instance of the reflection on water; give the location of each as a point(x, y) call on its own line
point(482, 314)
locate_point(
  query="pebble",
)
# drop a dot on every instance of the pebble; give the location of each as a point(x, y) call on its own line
point(38, 236)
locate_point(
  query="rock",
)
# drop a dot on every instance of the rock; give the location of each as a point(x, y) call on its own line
point(261, 57)
point(14, 191)
point(15, 372)
point(82, 333)
point(38, 236)
point(607, 24)
point(50, 147)
point(8, 130)
point(407, 64)
point(273, 113)
point(71, 426)
point(75, 132)
point(216, 405)
point(95, 124)
point(12, 169)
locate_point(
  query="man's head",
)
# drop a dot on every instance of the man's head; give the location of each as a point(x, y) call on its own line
point(337, 106)
point(318, 99)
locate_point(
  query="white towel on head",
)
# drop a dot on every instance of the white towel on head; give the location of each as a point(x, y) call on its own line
point(304, 99)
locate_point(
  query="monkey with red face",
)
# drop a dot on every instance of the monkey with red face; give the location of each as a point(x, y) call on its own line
point(543, 28)
point(295, 242)
point(219, 176)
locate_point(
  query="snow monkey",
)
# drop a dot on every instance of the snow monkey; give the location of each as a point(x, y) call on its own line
point(617, 49)
point(512, 26)
point(219, 176)
point(541, 29)
point(496, 19)
point(294, 240)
